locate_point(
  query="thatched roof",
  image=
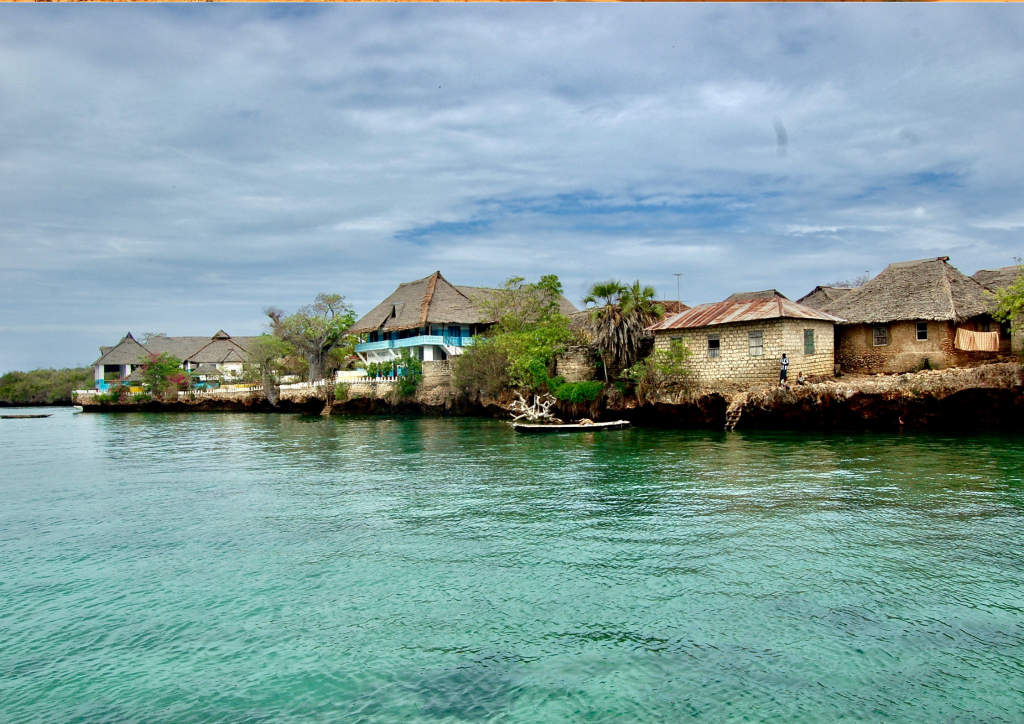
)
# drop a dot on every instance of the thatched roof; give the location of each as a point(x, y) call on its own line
point(993, 279)
point(431, 300)
point(218, 349)
point(208, 369)
point(763, 294)
point(126, 352)
point(927, 289)
point(821, 297)
point(672, 307)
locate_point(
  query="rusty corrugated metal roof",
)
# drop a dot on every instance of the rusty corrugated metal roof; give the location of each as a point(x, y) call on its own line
point(741, 310)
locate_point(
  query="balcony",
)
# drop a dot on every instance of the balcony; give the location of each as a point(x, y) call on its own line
point(420, 341)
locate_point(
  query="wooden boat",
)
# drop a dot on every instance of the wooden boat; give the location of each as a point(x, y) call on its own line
point(572, 427)
point(22, 417)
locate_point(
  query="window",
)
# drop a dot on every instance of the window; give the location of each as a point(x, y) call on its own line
point(714, 345)
point(756, 343)
point(881, 336)
point(984, 326)
point(808, 341)
point(455, 331)
point(922, 332)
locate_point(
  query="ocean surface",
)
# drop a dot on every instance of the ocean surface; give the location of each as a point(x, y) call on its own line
point(271, 568)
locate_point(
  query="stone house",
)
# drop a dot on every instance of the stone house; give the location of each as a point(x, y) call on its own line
point(994, 280)
point(219, 353)
point(742, 339)
point(915, 314)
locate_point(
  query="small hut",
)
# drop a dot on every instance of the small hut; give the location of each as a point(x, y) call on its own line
point(912, 315)
point(993, 280)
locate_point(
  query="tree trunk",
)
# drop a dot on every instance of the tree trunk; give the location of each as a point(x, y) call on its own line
point(316, 366)
point(270, 389)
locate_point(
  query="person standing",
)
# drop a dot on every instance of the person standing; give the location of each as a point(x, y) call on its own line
point(783, 369)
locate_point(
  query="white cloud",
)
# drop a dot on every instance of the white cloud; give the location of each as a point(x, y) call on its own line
point(237, 156)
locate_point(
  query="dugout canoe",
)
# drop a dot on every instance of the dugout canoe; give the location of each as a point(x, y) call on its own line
point(592, 427)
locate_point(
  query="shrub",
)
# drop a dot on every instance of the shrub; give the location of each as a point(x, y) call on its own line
point(113, 396)
point(341, 391)
point(664, 371)
point(410, 375)
point(579, 392)
point(481, 368)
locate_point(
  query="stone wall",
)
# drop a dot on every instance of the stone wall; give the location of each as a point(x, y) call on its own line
point(735, 363)
point(436, 373)
point(576, 364)
point(856, 351)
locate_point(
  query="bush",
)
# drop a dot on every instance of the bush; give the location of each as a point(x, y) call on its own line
point(664, 371)
point(579, 392)
point(481, 368)
point(410, 375)
point(113, 396)
point(341, 391)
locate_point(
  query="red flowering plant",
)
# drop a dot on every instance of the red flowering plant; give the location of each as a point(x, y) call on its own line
point(162, 375)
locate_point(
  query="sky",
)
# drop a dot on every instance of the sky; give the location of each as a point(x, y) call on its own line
point(176, 169)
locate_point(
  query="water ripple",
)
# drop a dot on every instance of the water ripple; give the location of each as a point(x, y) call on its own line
point(247, 568)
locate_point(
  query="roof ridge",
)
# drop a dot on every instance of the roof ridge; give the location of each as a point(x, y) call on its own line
point(949, 290)
point(428, 296)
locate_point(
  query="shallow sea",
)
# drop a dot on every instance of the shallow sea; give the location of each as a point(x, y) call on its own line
point(266, 568)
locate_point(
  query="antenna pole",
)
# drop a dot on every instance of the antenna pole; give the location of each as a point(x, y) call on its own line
point(678, 293)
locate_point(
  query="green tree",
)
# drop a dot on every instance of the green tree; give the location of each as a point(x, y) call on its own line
point(162, 375)
point(265, 360)
point(529, 330)
point(1010, 303)
point(43, 387)
point(619, 321)
point(315, 329)
point(515, 304)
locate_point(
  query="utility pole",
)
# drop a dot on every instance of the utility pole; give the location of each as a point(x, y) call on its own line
point(678, 293)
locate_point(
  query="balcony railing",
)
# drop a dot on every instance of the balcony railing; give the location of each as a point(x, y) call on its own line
point(419, 341)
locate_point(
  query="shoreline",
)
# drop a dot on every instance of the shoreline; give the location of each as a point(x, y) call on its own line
point(953, 399)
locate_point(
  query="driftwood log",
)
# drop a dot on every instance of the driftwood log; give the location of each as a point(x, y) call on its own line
point(536, 412)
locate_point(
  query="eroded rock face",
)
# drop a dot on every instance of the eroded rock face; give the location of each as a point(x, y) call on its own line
point(989, 396)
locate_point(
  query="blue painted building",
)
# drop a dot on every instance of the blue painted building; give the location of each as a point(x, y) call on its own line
point(431, 317)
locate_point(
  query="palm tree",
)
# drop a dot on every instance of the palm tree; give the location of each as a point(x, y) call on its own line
point(619, 325)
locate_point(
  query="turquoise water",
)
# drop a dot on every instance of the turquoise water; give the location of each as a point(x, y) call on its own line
point(248, 568)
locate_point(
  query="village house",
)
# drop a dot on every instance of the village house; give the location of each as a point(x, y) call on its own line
point(742, 339)
point(915, 314)
point(821, 297)
point(219, 355)
point(993, 280)
point(431, 317)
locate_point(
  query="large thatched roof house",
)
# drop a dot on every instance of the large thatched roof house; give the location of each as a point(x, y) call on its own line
point(222, 351)
point(432, 317)
point(914, 314)
point(742, 338)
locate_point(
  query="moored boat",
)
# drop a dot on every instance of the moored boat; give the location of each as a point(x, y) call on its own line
point(570, 427)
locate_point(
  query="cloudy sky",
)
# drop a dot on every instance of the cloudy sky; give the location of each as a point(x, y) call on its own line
point(177, 168)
